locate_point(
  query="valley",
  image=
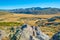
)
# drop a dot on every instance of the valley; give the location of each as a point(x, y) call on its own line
point(48, 24)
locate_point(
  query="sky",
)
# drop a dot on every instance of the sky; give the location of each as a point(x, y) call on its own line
point(13, 4)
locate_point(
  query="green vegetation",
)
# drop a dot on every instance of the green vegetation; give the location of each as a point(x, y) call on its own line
point(10, 24)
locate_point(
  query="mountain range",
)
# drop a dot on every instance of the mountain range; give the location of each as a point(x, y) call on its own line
point(36, 10)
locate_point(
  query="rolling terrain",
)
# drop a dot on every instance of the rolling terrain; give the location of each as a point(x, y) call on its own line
point(46, 23)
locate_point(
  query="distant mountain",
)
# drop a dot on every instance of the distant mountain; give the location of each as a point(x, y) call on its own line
point(36, 10)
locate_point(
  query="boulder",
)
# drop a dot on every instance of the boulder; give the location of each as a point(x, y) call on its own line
point(56, 36)
point(32, 33)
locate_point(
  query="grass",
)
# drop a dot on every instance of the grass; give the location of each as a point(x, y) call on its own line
point(10, 23)
point(10, 19)
point(50, 30)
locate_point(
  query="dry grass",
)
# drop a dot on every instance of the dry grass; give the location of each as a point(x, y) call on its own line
point(15, 17)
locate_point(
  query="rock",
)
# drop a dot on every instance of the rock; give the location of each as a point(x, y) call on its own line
point(2, 34)
point(56, 36)
point(32, 33)
point(27, 32)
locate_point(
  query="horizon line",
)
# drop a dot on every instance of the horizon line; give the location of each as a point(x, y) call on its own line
point(24, 8)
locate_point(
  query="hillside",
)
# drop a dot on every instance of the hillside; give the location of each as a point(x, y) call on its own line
point(36, 10)
point(4, 13)
point(17, 19)
point(13, 17)
point(48, 24)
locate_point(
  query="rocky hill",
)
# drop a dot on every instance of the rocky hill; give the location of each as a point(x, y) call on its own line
point(27, 32)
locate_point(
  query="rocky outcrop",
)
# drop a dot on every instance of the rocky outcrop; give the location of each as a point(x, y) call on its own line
point(27, 32)
point(2, 34)
point(32, 33)
point(56, 36)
